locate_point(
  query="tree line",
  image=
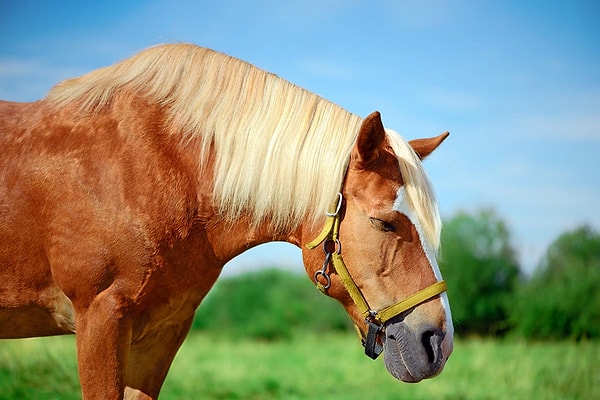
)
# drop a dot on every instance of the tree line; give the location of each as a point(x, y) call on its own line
point(489, 294)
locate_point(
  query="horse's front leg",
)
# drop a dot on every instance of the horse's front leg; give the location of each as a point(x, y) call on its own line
point(150, 358)
point(103, 334)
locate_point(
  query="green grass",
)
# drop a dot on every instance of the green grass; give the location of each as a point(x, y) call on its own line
point(327, 367)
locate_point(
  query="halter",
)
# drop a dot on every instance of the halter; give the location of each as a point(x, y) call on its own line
point(376, 320)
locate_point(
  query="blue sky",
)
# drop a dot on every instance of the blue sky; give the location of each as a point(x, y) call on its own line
point(517, 83)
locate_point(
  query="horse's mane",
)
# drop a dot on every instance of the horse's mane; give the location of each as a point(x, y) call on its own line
point(281, 151)
point(419, 192)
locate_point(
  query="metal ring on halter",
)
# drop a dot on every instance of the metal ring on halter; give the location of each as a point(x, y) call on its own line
point(325, 276)
point(323, 272)
point(337, 207)
point(332, 244)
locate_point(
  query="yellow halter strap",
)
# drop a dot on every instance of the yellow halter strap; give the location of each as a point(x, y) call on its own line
point(376, 320)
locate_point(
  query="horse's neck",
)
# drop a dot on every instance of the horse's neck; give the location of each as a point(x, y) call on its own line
point(228, 239)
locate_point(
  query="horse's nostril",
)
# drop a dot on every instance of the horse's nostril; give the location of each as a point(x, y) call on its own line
point(431, 341)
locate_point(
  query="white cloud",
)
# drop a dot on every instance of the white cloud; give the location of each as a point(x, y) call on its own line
point(538, 200)
point(452, 100)
point(17, 68)
point(28, 79)
point(422, 15)
point(328, 69)
point(519, 169)
point(305, 14)
point(575, 126)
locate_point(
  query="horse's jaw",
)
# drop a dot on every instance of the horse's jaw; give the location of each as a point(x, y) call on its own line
point(412, 356)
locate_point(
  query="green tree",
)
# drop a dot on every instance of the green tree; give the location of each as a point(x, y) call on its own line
point(562, 298)
point(480, 267)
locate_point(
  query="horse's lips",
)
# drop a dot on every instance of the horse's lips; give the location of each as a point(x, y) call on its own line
point(395, 363)
point(398, 356)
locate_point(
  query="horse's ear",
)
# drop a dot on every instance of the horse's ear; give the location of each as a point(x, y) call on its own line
point(424, 147)
point(370, 138)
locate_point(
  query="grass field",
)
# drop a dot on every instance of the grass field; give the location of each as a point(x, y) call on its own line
point(312, 367)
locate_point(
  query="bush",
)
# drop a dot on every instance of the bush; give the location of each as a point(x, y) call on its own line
point(562, 299)
point(268, 304)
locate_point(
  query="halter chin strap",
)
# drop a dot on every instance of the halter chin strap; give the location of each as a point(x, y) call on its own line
point(376, 320)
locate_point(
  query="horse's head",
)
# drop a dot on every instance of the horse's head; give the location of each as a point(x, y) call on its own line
point(382, 246)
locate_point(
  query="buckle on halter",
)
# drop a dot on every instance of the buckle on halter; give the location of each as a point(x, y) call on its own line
point(373, 344)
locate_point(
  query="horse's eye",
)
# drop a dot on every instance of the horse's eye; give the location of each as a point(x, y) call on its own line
point(382, 225)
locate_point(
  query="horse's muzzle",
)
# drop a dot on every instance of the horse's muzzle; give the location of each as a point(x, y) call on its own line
point(414, 355)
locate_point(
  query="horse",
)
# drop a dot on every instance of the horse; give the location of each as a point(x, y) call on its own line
point(124, 192)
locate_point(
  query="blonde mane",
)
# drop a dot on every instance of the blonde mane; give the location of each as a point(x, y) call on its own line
point(419, 192)
point(281, 151)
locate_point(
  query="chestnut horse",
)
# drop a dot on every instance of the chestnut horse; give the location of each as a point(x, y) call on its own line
point(125, 191)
